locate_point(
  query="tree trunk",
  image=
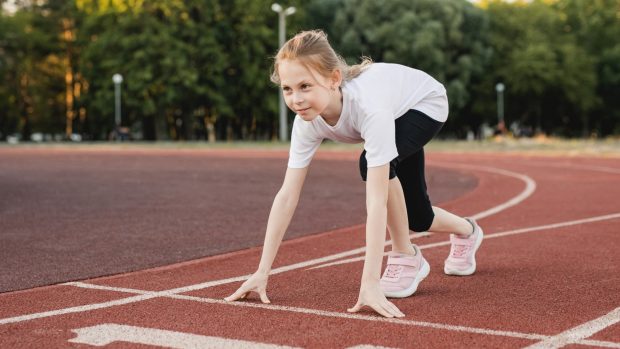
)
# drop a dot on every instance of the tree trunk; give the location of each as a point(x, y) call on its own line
point(209, 127)
point(149, 132)
point(26, 108)
point(171, 125)
point(69, 97)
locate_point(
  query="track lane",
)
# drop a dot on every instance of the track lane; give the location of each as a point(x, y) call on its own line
point(496, 269)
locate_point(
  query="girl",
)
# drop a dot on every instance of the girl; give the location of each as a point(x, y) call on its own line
point(395, 110)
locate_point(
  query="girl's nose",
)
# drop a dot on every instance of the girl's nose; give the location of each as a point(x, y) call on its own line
point(297, 98)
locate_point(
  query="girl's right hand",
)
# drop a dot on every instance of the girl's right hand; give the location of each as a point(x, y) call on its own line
point(256, 283)
point(372, 296)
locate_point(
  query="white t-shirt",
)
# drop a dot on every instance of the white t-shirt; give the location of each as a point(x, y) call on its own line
point(370, 104)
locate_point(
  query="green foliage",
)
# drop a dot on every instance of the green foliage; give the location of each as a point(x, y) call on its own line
point(30, 67)
point(447, 39)
point(199, 68)
point(540, 62)
point(595, 24)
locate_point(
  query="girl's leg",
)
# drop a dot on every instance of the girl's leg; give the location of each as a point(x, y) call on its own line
point(446, 222)
point(409, 207)
point(397, 219)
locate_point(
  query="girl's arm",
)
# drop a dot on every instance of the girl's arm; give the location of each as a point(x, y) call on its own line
point(280, 216)
point(377, 184)
point(282, 210)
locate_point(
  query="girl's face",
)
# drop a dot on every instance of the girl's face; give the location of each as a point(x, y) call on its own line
point(306, 92)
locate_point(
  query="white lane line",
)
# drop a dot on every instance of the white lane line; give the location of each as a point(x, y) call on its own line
point(530, 186)
point(376, 318)
point(468, 329)
point(321, 312)
point(596, 343)
point(580, 332)
point(490, 236)
point(110, 288)
point(279, 270)
point(78, 309)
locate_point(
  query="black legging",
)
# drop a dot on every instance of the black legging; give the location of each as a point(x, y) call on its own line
point(413, 130)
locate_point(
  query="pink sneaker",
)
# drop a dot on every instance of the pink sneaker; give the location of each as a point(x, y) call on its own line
point(462, 259)
point(403, 274)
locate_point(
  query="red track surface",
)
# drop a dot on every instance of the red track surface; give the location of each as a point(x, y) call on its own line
point(548, 273)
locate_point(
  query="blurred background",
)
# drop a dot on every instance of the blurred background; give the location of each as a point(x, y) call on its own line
point(198, 70)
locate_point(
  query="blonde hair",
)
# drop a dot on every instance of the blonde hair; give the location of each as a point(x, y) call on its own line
point(313, 50)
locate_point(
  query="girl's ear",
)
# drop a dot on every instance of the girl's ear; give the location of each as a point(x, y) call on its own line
point(336, 78)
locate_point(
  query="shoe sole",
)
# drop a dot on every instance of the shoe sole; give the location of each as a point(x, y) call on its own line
point(471, 269)
point(424, 270)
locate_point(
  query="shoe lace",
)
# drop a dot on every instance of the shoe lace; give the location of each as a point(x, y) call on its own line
point(459, 251)
point(392, 270)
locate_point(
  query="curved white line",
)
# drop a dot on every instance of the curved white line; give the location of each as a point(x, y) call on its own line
point(490, 236)
point(530, 186)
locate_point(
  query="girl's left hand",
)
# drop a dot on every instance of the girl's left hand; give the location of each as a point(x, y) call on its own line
point(372, 296)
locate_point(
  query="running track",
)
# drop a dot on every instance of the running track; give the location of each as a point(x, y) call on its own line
point(548, 277)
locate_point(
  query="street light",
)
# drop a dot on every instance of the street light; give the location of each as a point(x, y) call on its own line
point(500, 103)
point(117, 79)
point(282, 13)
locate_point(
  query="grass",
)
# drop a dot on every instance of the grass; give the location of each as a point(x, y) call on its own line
point(534, 146)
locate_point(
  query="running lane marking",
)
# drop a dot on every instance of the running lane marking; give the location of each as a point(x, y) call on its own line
point(146, 295)
point(530, 186)
point(576, 334)
point(105, 334)
point(490, 236)
point(331, 314)
point(324, 313)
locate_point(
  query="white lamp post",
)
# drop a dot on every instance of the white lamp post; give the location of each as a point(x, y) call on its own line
point(118, 79)
point(282, 13)
point(500, 102)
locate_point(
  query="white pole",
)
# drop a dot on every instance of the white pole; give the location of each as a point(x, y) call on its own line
point(282, 13)
point(500, 102)
point(283, 121)
point(117, 79)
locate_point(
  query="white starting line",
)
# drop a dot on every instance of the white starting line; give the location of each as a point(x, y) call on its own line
point(172, 339)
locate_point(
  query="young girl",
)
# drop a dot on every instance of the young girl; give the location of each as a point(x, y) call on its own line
point(395, 110)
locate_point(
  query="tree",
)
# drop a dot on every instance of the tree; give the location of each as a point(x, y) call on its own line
point(550, 80)
point(30, 66)
point(596, 27)
point(142, 44)
point(444, 38)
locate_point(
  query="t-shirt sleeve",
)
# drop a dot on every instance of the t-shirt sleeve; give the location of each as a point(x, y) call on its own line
point(378, 131)
point(304, 143)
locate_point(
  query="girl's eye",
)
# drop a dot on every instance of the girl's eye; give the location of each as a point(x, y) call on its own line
point(286, 89)
point(305, 86)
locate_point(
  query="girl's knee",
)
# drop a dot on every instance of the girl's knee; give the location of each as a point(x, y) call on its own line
point(421, 224)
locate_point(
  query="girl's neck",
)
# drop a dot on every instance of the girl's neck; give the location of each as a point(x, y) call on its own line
point(331, 114)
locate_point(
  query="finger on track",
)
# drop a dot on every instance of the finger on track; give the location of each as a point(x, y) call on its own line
point(394, 309)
